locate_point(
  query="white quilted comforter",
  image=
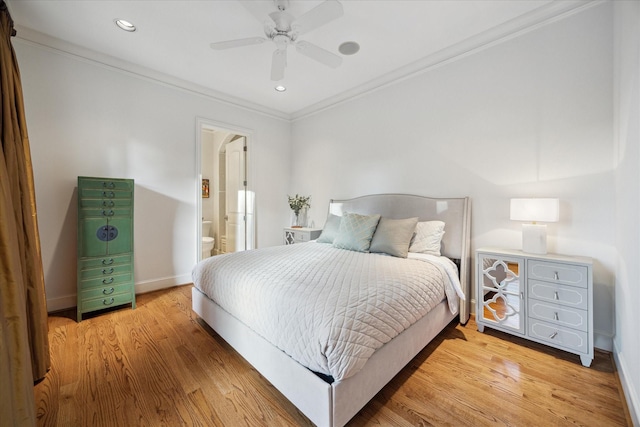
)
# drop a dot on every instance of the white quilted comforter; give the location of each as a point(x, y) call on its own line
point(327, 308)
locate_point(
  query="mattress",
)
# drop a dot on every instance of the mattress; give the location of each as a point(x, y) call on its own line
point(329, 309)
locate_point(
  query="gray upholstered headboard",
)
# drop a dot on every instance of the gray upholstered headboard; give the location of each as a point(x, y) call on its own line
point(454, 212)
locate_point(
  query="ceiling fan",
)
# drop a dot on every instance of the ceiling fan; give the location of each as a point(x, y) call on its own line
point(283, 29)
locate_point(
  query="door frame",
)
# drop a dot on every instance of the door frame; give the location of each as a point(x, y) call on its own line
point(204, 123)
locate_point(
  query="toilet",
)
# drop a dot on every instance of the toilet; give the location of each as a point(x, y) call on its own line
point(207, 240)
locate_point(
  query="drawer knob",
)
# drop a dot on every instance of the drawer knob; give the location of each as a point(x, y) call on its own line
point(107, 271)
point(107, 262)
point(552, 336)
point(107, 281)
point(107, 213)
point(108, 301)
point(555, 316)
point(110, 185)
point(108, 204)
point(555, 295)
point(108, 194)
point(555, 275)
point(108, 291)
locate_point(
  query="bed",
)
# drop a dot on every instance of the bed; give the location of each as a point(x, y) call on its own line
point(331, 391)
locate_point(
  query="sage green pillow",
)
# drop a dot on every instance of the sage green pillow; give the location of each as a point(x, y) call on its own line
point(393, 236)
point(356, 232)
point(330, 230)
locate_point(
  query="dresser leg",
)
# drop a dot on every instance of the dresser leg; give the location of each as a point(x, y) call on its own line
point(480, 328)
point(586, 360)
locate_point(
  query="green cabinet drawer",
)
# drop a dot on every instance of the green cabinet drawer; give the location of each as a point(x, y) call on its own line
point(89, 193)
point(106, 291)
point(106, 271)
point(104, 183)
point(106, 280)
point(106, 302)
point(105, 213)
point(105, 261)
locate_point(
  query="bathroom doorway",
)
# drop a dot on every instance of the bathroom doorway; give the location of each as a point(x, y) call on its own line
point(226, 206)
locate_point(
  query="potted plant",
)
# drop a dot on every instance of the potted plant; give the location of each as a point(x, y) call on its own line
point(299, 206)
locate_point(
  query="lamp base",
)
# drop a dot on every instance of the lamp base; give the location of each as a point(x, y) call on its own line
point(534, 238)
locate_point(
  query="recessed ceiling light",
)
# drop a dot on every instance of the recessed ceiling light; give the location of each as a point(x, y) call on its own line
point(349, 48)
point(125, 25)
point(280, 88)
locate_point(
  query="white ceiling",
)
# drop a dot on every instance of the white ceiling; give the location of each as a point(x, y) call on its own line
point(396, 37)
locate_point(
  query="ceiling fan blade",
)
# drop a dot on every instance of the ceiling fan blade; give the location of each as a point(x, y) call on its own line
point(278, 64)
point(237, 43)
point(319, 54)
point(318, 16)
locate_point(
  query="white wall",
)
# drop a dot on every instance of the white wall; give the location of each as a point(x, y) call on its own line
point(85, 118)
point(627, 131)
point(531, 116)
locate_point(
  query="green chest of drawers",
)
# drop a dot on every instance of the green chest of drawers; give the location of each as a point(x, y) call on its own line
point(105, 244)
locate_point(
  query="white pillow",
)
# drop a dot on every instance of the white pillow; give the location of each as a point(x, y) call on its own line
point(427, 238)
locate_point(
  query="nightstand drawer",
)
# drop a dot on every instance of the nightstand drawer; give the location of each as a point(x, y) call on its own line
point(559, 294)
point(558, 315)
point(558, 336)
point(574, 275)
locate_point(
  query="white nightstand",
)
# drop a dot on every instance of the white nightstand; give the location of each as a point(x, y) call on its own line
point(300, 235)
point(543, 298)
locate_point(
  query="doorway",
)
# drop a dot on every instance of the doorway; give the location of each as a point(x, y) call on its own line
point(226, 204)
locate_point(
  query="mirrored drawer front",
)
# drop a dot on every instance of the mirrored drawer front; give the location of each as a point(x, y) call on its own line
point(558, 314)
point(573, 275)
point(106, 184)
point(105, 261)
point(558, 336)
point(107, 280)
point(558, 294)
point(105, 271)
point(106, 302)
point(106, 291)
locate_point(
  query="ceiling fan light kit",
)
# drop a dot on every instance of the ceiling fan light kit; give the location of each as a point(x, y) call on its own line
point(284, 29)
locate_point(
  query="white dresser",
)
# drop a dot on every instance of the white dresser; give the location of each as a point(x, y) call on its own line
point(300, 235)
point(544, 298)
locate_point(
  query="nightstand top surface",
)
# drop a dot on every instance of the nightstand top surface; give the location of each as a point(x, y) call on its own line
point(548, 257)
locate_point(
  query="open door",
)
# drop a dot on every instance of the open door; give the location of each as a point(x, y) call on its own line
point(236, 196)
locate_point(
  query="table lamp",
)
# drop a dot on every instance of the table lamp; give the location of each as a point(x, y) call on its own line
point(534, 236)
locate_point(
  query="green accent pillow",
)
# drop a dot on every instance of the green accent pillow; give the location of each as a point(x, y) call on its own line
point(330, 230)
point(393, 236)
point(356, 232)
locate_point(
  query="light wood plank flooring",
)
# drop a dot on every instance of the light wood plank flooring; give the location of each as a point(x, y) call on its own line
point(160, 365)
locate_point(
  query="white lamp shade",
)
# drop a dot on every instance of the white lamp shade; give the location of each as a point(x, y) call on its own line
point(542, 209)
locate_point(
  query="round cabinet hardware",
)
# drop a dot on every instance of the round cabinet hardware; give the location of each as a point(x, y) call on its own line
point(110, 185)
point(107, 262)
point(108, 301)
point(107, 281)
point(108, 291)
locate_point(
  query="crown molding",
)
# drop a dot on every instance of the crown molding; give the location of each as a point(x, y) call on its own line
point(531, 21)
point(61, 47)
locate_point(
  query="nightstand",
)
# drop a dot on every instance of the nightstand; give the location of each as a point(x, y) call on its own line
point(300, 235)
point(544, 298)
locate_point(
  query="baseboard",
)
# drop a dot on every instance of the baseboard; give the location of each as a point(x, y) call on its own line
point(630, 393)
point(70, 301)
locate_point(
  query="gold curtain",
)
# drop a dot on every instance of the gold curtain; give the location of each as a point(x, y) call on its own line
point(24, 345)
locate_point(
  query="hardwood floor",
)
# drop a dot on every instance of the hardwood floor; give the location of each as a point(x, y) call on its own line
point(159, 365)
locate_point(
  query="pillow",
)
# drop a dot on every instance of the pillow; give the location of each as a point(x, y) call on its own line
point(356, 232)
point(330, 230)
point(393, 236)
point(427, 238)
